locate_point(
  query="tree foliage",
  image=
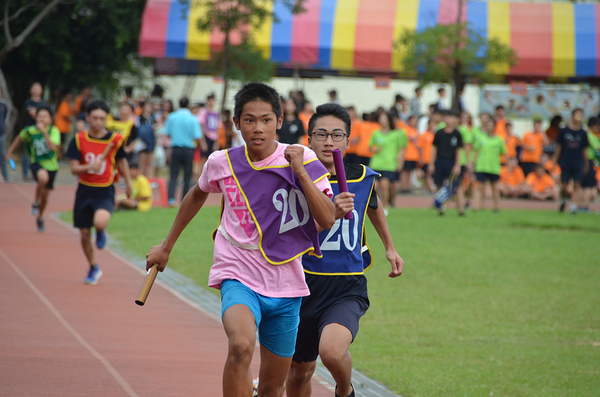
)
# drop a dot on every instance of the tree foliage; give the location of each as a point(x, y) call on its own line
point(453, 54)
point(81, 42)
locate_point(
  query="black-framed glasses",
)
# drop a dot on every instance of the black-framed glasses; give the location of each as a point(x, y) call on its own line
point(335, 136)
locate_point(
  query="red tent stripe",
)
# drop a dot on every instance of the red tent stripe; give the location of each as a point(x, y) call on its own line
point(374, 34)
point(305, 34)
point(531, 38)
point(153, 33)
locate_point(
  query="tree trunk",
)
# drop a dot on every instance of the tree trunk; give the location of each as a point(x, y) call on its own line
point(13, 113)
point(224, 71)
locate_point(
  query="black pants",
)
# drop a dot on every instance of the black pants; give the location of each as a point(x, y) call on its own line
point(181, 157)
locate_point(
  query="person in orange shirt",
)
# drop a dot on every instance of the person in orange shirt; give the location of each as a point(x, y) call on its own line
point(369, 126)
point(79, 105)
point(355, 135)
point(424, 144)
point(512, 180)
point(541, 186)
point(411, 155)
point(551, 167)
point(512, 142)
point(62, 120)
point(305, 114)
point(500, 118)
point(532, 147)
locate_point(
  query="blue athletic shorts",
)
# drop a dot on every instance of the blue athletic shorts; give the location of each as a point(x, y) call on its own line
point(277, 319)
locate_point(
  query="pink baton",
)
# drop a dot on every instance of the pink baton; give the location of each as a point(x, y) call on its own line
point(341, 174)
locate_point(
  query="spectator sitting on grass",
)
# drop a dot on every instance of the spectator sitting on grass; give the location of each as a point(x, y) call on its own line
point(541, 186)
point(141, 199)
point(512, 180)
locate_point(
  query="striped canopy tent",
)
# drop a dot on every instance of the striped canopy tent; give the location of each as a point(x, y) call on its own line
point(550, 39)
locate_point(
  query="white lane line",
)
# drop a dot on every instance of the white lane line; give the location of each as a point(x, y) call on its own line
point(111, 370)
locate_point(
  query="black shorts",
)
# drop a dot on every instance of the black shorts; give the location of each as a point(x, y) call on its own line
point(392, 176)
point(569, 171)
point(589, 179)
point(35, 167)
point(88, 200)
point(209, 147)
point(484, 176)
point(425, 168)
point(335, 300)
point(528, 167)
point(443, 170)
point(409, 165)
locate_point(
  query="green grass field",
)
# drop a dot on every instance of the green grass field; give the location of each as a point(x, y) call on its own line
point(489, 305)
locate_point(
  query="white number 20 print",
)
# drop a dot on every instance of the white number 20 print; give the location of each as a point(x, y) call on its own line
point(332, 240)
point(90, 158)
point(287, 203)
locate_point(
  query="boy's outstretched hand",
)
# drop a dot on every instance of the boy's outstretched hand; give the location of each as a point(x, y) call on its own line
point(157, 255)
point(344, 203)
point(396, 262)
point(295, 155)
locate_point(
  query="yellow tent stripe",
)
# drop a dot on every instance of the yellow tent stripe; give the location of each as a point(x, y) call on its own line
point(344, 33)
point(499, 28)
point(563, 40)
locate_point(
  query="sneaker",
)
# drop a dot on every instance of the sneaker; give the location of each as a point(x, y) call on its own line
point(93, 275)
point(563, 204)
point(573, 209)
point(351, 394)
point(35, 209)
point(100, 239)
point(40, 225)
point(585, 210)
point(172, 203)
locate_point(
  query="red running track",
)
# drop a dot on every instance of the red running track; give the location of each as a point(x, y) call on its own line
point(60, 337)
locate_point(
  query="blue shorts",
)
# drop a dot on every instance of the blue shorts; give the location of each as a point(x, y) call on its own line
point(277, 319)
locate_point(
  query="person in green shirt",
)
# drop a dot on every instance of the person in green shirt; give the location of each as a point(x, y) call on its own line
point(388, 147)
point(589, 182)
point(41, 145)
point(488, 149)
point(467, 131)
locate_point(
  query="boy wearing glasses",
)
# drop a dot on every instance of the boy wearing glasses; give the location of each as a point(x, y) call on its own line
point(329, 317)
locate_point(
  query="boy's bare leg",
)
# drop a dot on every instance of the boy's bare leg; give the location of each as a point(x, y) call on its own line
point(460, 200)
point(496, 195)
point(240, 327)
point(274, 370)
point(299, 381)
point(86, 244)
point(333, 349)
point(101, 219)
point(43, 201)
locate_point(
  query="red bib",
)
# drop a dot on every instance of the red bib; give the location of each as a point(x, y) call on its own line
point(90, 150)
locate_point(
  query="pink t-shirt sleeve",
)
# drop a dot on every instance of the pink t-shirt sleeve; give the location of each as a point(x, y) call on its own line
point(215, 169)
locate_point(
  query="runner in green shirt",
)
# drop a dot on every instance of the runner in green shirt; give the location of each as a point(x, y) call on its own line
point(388, 147)
point(41, 144)
point(488, 149)
point(589, 182)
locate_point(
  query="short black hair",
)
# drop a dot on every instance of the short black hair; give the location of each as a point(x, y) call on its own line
point(46, 108)
point(134, 164)
point(95, 104)
point(500, 107)
point(184, 102)
point(210, 96)
point(256, 92)
point(593, 121)
point(330, 109)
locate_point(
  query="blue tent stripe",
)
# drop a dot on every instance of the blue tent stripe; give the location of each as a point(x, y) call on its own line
point(326, 32)
point(177, 28)
point(281, 34)
point(428, 14)
point(585, 40)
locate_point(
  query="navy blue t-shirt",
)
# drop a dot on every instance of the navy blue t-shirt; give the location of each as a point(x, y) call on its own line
point(572, 144)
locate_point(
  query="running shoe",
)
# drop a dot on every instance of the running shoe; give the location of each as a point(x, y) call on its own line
point(35, 209)
point(40, 225)
point(93, 275)
point(351, 394)
point(563, 204)
point(100, 239)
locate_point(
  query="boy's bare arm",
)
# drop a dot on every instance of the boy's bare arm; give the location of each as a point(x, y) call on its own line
point(377, 218)
point(321, 206)
point(191, 204)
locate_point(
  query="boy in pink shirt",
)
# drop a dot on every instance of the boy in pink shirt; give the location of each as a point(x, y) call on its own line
point(276, 198)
